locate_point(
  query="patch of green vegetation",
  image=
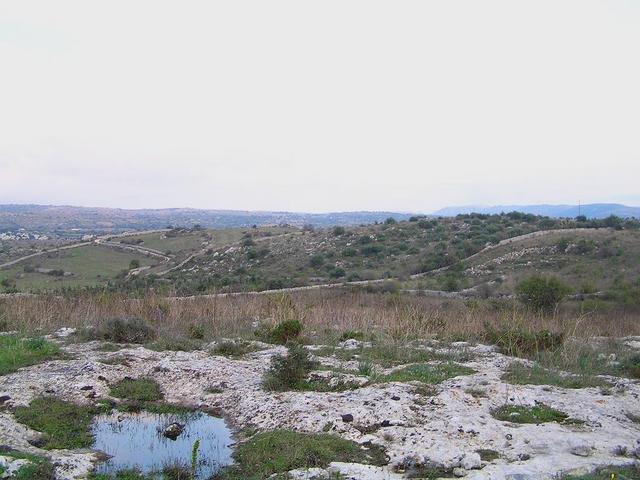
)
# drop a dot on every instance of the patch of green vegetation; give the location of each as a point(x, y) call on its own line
point(175, 344)
point(518, 340)
point(137, 390)
point(63, 424)
point(606, 358)
point(392, 354)
point(488, 455)
point(17, 352)
point(91, 265)
point(121, 475)
point(476, 392)
point(634, 418)
point(426, 373)
point(234, 349)
point(629, 472)
point(520, 374)
point(279, 451)
point(109, 347)
point(42, 470)
point(522, 414)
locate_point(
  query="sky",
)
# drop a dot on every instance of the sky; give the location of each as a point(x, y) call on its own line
point(319, 106)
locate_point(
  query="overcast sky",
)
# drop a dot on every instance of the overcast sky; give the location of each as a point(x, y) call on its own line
point(319, 106)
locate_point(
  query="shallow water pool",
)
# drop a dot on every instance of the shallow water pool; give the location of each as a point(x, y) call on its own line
point(135, 440)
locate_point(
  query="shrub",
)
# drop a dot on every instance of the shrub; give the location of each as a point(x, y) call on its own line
point(349, 252)
point(285, 331)
point(316, 260)
point(290, 371)
point(542, 294)
point(125, 330)
point(337, 272)
point(133, 264)
point(337, 231)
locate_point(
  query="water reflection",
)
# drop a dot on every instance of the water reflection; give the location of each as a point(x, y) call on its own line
point(136, 441)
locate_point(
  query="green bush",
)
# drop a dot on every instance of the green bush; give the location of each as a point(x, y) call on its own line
point(286, 331)
point(542, 294)
point(290, 371)
point(316, 260)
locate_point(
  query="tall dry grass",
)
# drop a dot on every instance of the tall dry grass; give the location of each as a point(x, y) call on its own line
point(325, 313)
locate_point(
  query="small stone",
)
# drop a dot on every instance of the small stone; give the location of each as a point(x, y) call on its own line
point(459, 472)
point(582, 450)
point(395, 398)
point(508, 436)
point(173, 430)
point(347, 418)
point(86, 387)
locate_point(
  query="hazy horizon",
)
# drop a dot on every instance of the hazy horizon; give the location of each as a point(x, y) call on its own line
point(337, 106)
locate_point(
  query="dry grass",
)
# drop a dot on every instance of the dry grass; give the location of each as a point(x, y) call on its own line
point(326, 314)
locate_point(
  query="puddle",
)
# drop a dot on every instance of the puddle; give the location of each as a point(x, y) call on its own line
point(136, 441)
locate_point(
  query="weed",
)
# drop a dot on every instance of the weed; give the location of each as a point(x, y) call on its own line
point(520, 374)
point(17, 352)
point(366, 368)
point(426, 373)
point(536, 414)
point(63, 424)
point(279, 451)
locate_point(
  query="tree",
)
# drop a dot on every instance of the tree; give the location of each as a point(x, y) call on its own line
point(134, 264)
point(542, 294)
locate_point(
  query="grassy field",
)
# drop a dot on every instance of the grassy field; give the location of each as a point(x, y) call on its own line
point(90, 265)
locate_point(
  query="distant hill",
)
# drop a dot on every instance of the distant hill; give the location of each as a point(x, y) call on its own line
point(592, 210)
point(69, 220)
